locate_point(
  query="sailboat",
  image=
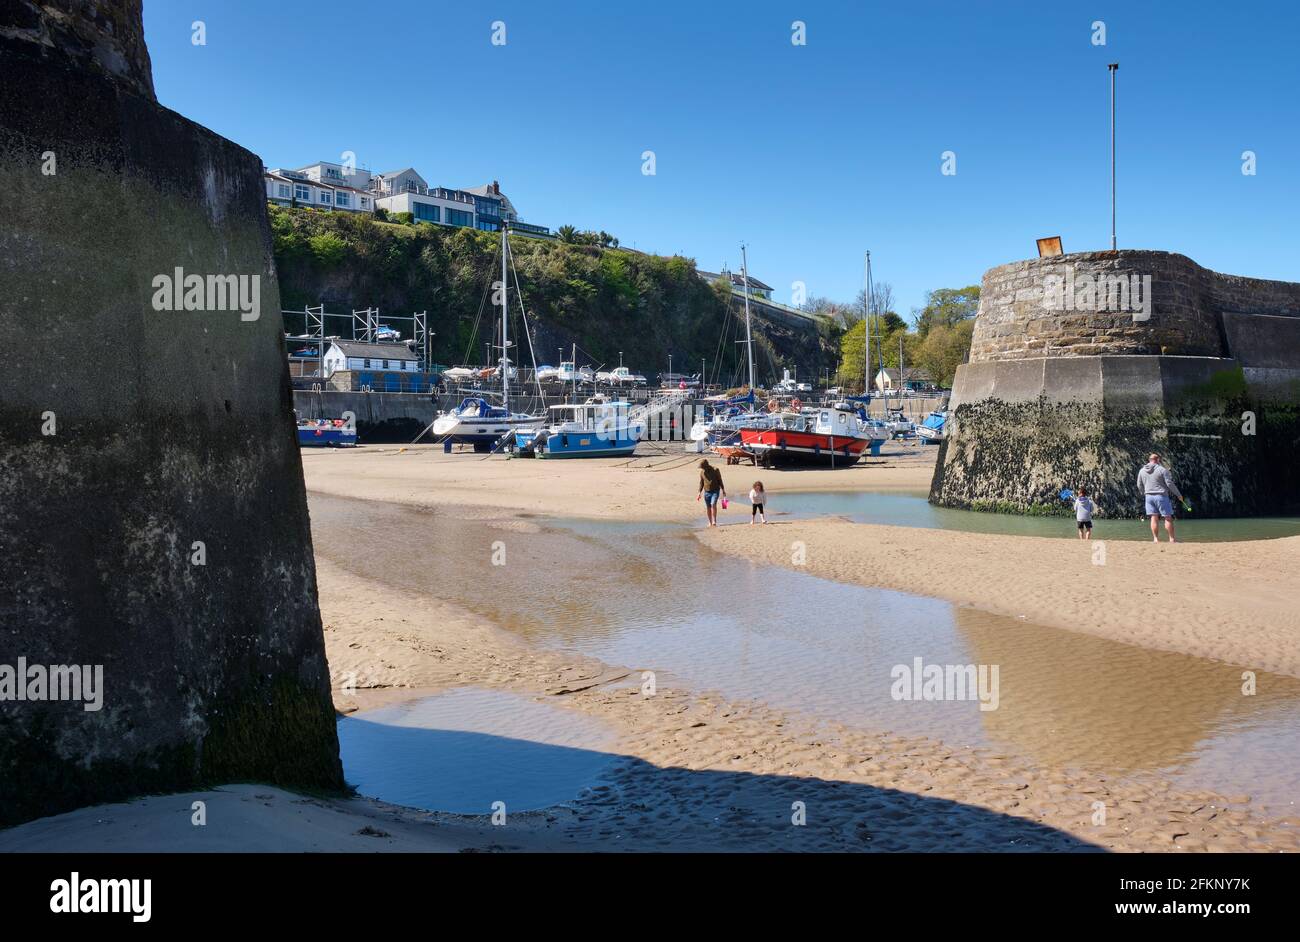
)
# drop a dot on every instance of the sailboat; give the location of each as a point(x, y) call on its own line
point(476, 421)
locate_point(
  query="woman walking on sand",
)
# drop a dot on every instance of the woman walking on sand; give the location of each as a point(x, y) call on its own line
point(710, 488)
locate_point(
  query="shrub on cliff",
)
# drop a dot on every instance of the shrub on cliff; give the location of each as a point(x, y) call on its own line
point(607, 300)
point(328, 248)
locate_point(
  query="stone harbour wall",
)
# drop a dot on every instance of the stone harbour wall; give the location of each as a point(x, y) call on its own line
point(1207, 374)
point(1022, 315)
point(153, 517)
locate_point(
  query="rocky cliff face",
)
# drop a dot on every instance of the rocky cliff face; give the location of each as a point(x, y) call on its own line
point(153, 519)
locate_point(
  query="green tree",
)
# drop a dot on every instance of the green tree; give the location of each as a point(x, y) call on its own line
point(947, 307)
point(943, 349)
point(566, 234)
point(328, 248)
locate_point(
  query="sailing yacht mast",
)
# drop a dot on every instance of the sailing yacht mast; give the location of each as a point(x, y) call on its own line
point(505, 321)
point(866, 330)
point(749, 341)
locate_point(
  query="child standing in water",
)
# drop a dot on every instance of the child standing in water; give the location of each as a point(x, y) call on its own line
point(757, 498)
point(1083, 508)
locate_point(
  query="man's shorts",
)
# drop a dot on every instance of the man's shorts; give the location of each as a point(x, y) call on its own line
point(1085, 524)
point(1159, 505)
point(711, 498)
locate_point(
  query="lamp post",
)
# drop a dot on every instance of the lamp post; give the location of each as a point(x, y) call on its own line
point(1113, 67)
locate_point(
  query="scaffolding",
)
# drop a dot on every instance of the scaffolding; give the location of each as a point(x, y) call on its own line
point(363, 327)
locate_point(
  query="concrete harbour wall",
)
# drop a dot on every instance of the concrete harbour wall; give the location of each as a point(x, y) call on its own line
point(153, 519)
point(1066, 389)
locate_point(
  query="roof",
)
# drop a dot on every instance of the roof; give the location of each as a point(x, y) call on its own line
point(493, 190)
point(735, 278)
point(753, 282)
point(381, 351)
point(389, 174)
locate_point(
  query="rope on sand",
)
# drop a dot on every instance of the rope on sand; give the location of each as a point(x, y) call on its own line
point(670, 465)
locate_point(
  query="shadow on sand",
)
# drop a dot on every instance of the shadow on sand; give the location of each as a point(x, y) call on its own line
point(605, 801)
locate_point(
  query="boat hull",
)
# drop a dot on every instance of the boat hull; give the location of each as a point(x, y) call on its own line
point(784, 447)
point(479, 432)
point(584, 445)
point(326, 436)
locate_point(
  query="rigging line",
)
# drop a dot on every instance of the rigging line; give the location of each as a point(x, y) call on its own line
point(478, 318)
point(524, 314)
point(722, 337)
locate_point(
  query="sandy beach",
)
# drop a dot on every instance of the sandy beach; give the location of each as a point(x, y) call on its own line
point(697, 770)
point(1217, 600)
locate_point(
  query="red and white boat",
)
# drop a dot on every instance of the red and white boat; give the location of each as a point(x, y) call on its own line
point(831, 436)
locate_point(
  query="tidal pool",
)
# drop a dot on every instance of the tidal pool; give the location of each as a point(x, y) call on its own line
point(914, 510)
point(464, 750)
point(651, 597)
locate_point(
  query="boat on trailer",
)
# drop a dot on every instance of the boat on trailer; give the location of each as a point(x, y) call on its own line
point(832, 436)
point(597, 428)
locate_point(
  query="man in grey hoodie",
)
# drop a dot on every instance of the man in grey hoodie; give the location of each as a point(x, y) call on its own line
point(1156, 485)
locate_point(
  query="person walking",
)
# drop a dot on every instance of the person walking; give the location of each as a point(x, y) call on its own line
point(1083, 508)
point(1156, 485)
point(711, 488)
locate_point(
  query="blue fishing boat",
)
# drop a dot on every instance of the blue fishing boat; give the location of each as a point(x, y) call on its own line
point(934, 427)
point(597, 428)
point(322, 433)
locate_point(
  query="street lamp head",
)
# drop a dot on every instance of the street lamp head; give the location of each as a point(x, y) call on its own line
point(1113, 66)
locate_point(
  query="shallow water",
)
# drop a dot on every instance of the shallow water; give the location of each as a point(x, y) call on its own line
point(464, 750)
point(914, 510)
point(649, 596)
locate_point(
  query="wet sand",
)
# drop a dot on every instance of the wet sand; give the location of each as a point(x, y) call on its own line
point(697, 770)
point(1219, 600)
point(700, 771)
point(652, 488)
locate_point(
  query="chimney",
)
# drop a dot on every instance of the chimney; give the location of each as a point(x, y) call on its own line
point(496, 188)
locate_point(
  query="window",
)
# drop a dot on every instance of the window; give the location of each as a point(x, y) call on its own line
point(324, 196)
point(342, 198)
point(365, 202)
point(427, 213)
point(302, 192)
point(367, 364)
point(456, 217)
point(283, 190)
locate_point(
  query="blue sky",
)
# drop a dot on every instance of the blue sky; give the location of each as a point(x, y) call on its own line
point(810, 154)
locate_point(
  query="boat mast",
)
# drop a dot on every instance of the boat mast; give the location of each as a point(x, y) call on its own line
point(505, 320)
point(749, 340)
point(901, 374)
point(866, 329)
